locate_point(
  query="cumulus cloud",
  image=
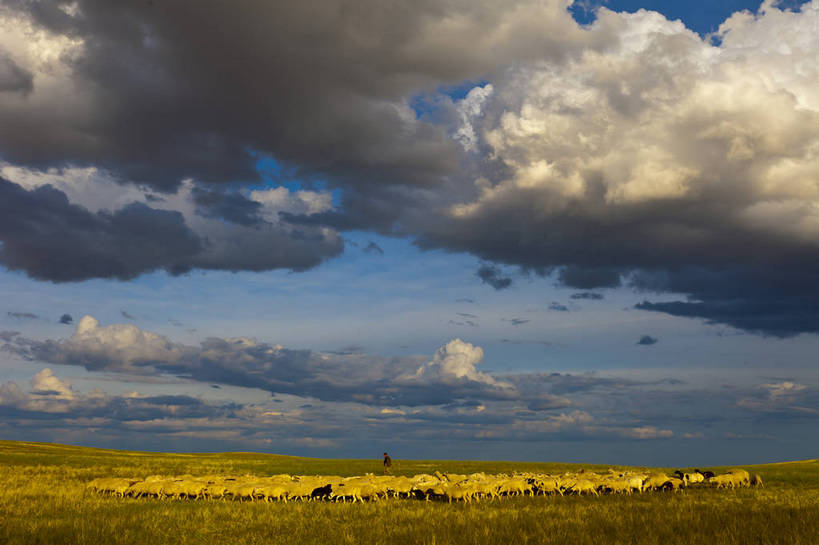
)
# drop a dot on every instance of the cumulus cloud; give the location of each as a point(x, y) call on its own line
point(663, 153)
point(66, 319)
point(45, 383)
point(456, 362)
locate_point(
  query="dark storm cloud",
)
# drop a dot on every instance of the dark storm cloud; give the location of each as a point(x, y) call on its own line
point(778, 302)
point(647, 340)
point(492, 275)
point(49, 238)
point(318, 85)
point(66, 319)
point(554, 305)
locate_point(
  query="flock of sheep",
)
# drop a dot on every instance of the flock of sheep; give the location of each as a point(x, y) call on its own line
point(446, 486)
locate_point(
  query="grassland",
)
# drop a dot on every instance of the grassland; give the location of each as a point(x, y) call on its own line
point(43, 500)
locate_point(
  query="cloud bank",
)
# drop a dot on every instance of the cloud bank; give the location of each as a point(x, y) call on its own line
point(631, 151)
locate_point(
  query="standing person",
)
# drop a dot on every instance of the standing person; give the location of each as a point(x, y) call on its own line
point(387, 463)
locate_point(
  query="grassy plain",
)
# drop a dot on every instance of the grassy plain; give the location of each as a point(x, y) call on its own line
point(43, 500)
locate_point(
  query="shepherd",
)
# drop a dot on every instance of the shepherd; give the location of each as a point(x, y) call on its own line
point(387, 463)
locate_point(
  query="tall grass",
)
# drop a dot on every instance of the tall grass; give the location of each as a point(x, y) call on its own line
point(43, 500)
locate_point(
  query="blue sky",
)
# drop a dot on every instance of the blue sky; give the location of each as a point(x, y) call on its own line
point(583, 243)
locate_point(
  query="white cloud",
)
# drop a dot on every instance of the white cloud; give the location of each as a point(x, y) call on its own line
point(281, 199)
point(456, 361)
point(645, 432)
point(670, 142)
point(783, 389)
point(469, 109)
point(120, 347)
point(46, 384)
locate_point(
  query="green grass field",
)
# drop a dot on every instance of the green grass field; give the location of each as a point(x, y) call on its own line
point(43, 500)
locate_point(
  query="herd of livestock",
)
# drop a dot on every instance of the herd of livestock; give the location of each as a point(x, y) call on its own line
point(442, 486)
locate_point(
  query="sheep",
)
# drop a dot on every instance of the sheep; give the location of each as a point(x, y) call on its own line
point(115, 486)
point(273, 491)
point(457, 491)
point(743, 476)
point(347, 490)
point(614, 486)
point(636, 483)
point(513, 487)
point(147, 488)
point(301, 490)
point(400, 487)
point(674, 484)
point(215, 491)
point(655, 481)
point(695, 477)
point(584, 486)
point(451, 486)
point(727, 480)
point(544, 485)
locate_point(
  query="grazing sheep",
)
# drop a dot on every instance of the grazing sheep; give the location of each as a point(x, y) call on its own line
point(673, 483)
point(636, 483)
point(347, 490)
point(655, 481)
point(513, 487)
point(273, 492)
point(691, 478)
point(147, 488)
point(113, 486)
point(756, 480)
point(743, 476)
point(726, 481)
point(614, 486)
point(457, 491)
point(301, 490)
point(544, 485)
point(584, 486)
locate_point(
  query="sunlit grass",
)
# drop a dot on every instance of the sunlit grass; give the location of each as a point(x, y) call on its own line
point(43, 500)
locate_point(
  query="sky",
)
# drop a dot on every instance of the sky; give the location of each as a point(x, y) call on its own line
point(529, 230)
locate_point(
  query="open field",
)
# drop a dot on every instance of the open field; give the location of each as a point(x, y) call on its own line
point(43, 500)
